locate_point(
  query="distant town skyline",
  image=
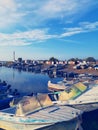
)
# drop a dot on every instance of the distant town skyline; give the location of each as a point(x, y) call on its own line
point(44, 28)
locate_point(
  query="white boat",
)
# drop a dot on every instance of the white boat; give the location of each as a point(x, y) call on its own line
point(36, 112)
point(72, 91)
point(59, 86)
point(85, 99)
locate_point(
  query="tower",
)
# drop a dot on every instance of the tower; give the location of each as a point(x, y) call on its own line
point(13, 55)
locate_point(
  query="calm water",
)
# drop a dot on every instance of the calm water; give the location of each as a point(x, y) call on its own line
point(27, 83)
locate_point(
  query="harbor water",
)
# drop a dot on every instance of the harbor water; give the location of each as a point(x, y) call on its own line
point(27, 83)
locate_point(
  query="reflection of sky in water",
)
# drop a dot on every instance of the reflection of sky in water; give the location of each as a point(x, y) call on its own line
point(25, 82)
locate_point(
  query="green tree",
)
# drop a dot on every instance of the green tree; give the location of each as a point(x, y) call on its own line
point(90, 59)
point(53, 59)
point(72, 59)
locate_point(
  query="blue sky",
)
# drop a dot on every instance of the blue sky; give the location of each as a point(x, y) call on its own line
point(39, 29)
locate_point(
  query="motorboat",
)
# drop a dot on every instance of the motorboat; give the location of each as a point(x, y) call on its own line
point(36, 112)
point(80, 96)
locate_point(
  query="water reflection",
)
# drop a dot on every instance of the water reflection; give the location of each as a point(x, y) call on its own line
point(13, 75)
point(26, 82)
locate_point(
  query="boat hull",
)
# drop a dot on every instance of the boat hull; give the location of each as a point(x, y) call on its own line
point(16, 126)
point(55, 87)
point(86, 107)
point(70, 125)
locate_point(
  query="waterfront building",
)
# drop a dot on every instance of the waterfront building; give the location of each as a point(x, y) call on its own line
point(19, 60)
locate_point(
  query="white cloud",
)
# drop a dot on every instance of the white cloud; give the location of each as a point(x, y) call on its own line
point(83, 28)
point(9, 13)
point(88, 25)
point(55, 8)
point(40, 35)
point(24, 38)
point(66, 9)
point(29, 13)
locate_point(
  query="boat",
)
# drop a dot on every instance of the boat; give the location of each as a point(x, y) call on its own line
point(36, 112)
point(7, 95)
point(5, 100)
point(4, 87)
point(3, 83)
point(88, 101)
point(80, 97)
point(56, 87)
point(71, 91)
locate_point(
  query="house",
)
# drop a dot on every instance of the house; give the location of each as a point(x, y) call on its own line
point(96, 67)
point(71, 62)
point(49, 62)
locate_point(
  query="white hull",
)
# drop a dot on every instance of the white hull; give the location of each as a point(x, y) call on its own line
point(88, 101)
point(14, 126)
point(70, 125)
point(55, 87)
point(86, 107)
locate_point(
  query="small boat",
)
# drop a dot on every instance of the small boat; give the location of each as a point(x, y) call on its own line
point(80, 97)
point(55, 87)
point(3, 83)
point(71, 91)
point(4, 87)
point(36, 112)
point(88, 101)
point(7, 95)
point(5, 100)
point(61, 85)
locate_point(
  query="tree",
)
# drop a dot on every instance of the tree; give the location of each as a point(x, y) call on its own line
point(53, 59)
point(72, 59)
point(90, 59)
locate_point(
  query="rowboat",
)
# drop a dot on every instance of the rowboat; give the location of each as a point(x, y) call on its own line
point(7, 95)
point(5, 100)
point(55, 87)
point(36, 112)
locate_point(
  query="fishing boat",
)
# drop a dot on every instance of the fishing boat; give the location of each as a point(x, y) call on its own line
point(80, 97)
point(5, 100)
point(7, 95)
point(88, 101)
point(71, 91)
point(4, 87)
point(36, 112)
point(62, 85)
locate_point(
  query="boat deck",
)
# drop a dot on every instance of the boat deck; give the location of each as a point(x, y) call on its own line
point(52, 113)
point(62, 113)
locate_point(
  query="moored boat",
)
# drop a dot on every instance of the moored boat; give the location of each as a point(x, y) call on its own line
point(55, 87)
point(80, 97)
point(5, 100)
point(7, 95)
point(72, 91)
point(88, 101)
point(36, 112)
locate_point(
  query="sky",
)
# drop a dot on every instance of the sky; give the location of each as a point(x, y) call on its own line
point(40, 29)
